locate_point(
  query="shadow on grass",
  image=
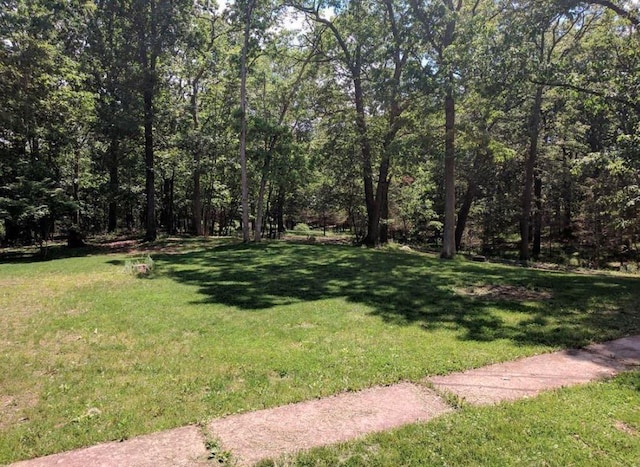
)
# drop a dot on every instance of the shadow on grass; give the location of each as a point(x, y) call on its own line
point(406, 289)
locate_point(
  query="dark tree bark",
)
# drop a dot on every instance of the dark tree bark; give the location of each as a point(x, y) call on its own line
point(148, 58)
point(537, 217)
point(149, 158)
point(449, 240)
point(441, 43)
point(463, 213)
point(384, 226)
point(196, 206)
point(243, 120)
point(373, 216)
point(280, 210)
point(530, 164)
point(375, 197)
point(114, 184)
point(167, 204)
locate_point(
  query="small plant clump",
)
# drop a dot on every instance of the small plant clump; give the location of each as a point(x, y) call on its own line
point(216, 453)
point(139, 267)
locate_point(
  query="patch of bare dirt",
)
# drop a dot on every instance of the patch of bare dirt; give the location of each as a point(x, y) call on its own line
point(319, 239)
point(506, 292)
point(137, 247)
point(622, 426)
point(12, 408)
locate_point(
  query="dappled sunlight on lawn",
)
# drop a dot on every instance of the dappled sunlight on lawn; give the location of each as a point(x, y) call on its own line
point(404, 289)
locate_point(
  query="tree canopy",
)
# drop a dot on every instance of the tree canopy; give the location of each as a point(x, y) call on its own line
point(470, 125)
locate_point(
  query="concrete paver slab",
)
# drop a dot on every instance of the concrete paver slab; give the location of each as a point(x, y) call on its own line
point(180, 447)
point(625, 350)
point(273, 432)
point(270, 433)
point(528, 376)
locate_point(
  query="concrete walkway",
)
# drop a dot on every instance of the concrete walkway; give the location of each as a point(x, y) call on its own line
point(253, 436)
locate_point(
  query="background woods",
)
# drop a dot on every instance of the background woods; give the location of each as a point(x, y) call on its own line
point(492, 126)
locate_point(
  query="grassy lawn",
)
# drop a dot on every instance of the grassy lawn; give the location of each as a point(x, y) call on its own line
point(593, 425)
point(89, 353)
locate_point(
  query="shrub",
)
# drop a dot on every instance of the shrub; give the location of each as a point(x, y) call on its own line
point(139, 267)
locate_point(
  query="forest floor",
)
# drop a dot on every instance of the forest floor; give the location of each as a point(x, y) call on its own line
point(252, 437)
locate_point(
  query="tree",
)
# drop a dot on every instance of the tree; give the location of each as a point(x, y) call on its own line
point(156, 26)
point(357, 47)
point(45, 115)
point(439, 20)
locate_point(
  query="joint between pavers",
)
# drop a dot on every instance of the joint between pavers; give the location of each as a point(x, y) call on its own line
point(453, 400)
point(213, 445)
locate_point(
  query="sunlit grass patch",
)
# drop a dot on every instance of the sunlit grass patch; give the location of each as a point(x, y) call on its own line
point(221, 327)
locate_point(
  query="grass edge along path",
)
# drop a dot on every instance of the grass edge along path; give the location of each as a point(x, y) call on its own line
point(256, 436)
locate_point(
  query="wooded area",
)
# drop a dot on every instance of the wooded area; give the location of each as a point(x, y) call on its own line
point(492, 126)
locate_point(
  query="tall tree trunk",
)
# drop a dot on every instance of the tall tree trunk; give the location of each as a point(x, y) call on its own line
point(76, 186)
point(463, 213)
point(449, 234)
point(373, 216)
point(449, 240)
point(150, 220)
point(243, 121)
point(566, 232)
point(537, 217)
point(114, 184)
point(196, 204)
point(384, 215)
point(148, 64)
point(167, 203)
point(280, 210)
point(530, 164)
point(260, 202)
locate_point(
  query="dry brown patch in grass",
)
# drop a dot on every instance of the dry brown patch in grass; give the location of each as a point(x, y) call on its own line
point(319, 239)
point(12, 408)
point(506, 292)
point(170, 246)
point(622, 426)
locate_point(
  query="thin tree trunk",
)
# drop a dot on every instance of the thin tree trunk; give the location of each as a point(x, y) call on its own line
point(260, 203)
point(196, 206)
point(373, 217)
point(449, 234)
point(463, 213)
point(167, 203)
point(280, 210)
point(114, 184)
point(530, 164)
point(384, 215)
point(148, 64)
point(449, 240)
point(243, 122)
point(151, 229)
point(537, 217)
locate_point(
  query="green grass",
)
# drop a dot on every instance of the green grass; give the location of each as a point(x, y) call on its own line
point(90, 353)
point(593, 425)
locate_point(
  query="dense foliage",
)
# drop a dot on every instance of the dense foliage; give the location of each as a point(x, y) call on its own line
point(484, 125)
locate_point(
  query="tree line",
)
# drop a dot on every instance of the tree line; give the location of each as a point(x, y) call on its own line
point(486, 125)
